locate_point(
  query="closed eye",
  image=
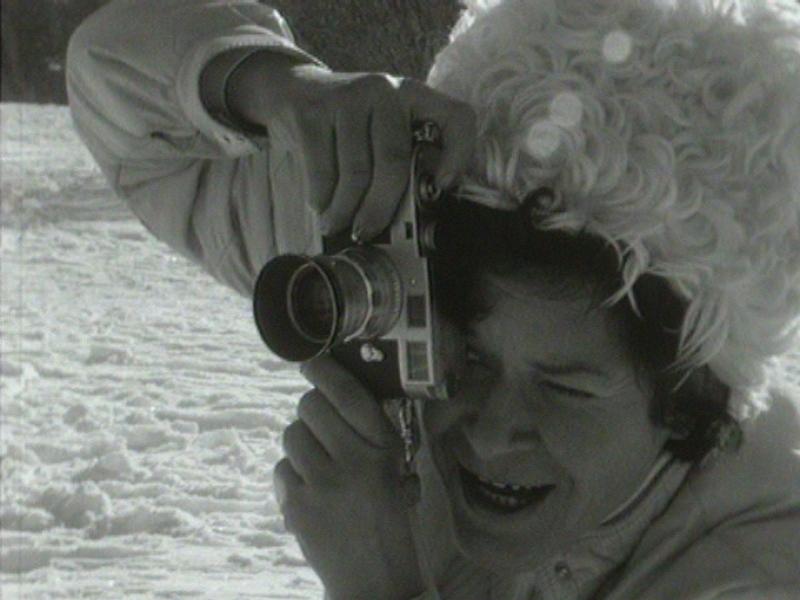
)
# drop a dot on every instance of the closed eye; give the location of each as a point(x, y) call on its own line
point(474, 357)
point(479, 365)
point(566, 390)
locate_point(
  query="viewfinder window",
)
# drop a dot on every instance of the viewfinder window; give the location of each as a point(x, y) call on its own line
point(416, 311)
point(417, 356)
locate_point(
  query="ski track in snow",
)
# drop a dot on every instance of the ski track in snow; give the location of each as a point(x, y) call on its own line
point(141, 413)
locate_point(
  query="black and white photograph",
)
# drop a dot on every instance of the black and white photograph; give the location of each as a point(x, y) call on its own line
point(400, 299)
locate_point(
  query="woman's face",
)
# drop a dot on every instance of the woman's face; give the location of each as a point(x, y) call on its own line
point(552, 404)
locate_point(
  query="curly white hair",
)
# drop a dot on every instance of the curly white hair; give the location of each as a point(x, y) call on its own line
point(669, 128)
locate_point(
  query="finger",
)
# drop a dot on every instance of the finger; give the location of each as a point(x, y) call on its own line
point(327, 425)
point(351, 400)
point(287, 485)
point(319, 168)
point(457, 122)
point(353, 156)
point(308, 457)
point(390, 133)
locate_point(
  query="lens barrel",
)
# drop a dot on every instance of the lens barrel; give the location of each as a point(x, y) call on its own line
point(305, 305)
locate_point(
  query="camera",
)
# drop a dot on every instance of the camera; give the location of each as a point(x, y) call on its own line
point(373, 305)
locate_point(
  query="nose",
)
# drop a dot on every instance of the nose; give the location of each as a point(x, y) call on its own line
point(501, 421)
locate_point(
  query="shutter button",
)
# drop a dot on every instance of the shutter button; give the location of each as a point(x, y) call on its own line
point(563, 571)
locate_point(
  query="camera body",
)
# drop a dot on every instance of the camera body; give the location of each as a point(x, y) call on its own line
point(373, 305)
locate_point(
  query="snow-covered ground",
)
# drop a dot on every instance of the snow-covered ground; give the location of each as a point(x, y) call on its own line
point(141, 414)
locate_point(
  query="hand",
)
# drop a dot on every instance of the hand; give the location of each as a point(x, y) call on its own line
point(338, 488)
point(351, 134)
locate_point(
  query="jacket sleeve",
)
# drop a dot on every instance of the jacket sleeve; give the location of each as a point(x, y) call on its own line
point(133, 71)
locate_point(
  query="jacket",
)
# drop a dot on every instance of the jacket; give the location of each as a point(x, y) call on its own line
point(728, 528)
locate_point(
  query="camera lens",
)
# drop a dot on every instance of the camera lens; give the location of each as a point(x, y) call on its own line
point(312, 305)
point(305, 305)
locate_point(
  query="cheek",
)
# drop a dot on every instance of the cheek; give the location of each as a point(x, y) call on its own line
point(439, 416)
point(573, 436)
point(608, 446)
point(591, 432)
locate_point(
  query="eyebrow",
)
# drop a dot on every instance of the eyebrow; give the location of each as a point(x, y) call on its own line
point(574, 367)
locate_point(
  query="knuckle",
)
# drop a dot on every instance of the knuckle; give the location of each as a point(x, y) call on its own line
point(347, 387)
point(309, 403)
point(293, 437)
point(412, 89)
point(332, 222)
point(281, 471)
point(284, 479)
point(409, 84)
point(341, 396)
point(378, 83)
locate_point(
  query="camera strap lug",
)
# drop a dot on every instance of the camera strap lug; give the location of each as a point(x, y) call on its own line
point(407, 428)
point(410, 484)
point(411, 490)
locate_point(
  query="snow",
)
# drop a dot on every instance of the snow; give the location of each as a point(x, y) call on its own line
point(141, 413)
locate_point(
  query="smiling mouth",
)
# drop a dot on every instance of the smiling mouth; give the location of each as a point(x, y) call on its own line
point(500, 498)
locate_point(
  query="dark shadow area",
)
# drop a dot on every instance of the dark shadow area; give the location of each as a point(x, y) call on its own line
point(34, 39)
point(398, 36)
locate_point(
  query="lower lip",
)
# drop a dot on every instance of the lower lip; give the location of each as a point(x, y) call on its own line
point(479, 505)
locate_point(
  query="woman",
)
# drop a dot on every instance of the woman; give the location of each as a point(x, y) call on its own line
point(624, 263)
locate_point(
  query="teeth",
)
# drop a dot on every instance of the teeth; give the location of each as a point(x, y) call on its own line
point(503, 500)
point(509, 497)
point(503, 486)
